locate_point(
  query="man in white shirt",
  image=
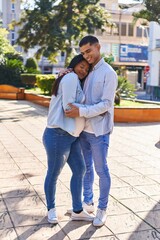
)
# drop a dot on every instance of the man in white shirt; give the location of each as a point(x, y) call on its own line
point(98, 109)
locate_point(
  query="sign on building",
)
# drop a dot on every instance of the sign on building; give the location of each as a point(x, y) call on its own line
point(133, 53)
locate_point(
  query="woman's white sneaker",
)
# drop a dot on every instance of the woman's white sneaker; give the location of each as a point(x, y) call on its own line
point(52, 216)
point(82, 216)
point(100, 218)
point(88, 207)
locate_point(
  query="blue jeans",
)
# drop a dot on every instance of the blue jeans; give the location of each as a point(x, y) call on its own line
point(95, 150)
point(61, 147)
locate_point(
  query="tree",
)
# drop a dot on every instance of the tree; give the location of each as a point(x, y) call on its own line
point(151, 11)
point(53, 27)
point(5, 46)
point(11, 62)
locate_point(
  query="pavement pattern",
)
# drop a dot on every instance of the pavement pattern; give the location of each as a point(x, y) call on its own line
point(134, 160)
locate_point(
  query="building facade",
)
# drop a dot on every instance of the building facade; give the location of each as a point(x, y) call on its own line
point(126, 42)
point(11, 11)
point(153, 73)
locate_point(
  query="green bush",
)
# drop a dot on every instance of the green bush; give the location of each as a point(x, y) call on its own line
point(45, 82)
point(31, 63)
point(124, 89)
point(28, 79)
point(31, 66)
point(10, 71)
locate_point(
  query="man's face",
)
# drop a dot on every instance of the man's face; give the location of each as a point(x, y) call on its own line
point(91, 53)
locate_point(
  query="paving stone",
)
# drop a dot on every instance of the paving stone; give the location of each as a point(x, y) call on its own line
point(5, 221)
point(141, 204)
point(8, 234)
point(140, 235)
point(84, 230)
point(150, 190)
point(125, 223)
point(2, 206)
point(17, 191)
point(23, 203)
point(138, 181)
point(28, 217)
point(41, 232)
point(151, 217)
point(134, 201)
point(125, 192)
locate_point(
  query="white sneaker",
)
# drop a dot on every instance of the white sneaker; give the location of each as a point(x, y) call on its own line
point(82, 216)
point(88, 208)
point(52, 216)
point(100, 218)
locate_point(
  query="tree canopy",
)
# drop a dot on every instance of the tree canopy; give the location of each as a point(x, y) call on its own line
point(5, 46)
point(53, 27)
point(151, 12)
point(11, 62)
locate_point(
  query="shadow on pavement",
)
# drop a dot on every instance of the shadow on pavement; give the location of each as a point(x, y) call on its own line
point(152, 231)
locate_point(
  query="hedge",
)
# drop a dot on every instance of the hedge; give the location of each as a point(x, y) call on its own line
point(45, 82)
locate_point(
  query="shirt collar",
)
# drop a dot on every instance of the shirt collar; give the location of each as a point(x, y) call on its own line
point(101, 61)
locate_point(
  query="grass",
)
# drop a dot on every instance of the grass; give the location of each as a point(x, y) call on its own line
point(35, 90)
point(132, 103)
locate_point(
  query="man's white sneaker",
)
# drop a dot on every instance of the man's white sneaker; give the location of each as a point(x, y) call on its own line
point(88, 208)
point(52, 216)
point(82, 216)
point(100, 218)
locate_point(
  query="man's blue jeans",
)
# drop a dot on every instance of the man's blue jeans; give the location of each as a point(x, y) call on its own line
point(95, 150)
point(61, 147)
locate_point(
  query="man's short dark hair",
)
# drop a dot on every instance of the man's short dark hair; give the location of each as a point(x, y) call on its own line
point(88, 39)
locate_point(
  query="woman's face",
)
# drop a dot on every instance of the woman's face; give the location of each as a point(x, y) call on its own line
point(82, 69)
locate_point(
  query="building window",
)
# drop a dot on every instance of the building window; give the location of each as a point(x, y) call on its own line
point(139, 32)
point(108, 31)
point(123, 29)
point(13, 7)
point(130, 29)
point(13, 37)
point(116, 29)
point(146, 32)
point(62, 56)
point(102, 5)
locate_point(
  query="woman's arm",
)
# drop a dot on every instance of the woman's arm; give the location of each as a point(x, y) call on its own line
point(69, 88)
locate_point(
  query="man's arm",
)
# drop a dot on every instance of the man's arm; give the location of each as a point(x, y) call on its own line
point(107, 101)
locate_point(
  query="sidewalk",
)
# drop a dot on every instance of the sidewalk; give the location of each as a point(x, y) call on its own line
point(134, 161)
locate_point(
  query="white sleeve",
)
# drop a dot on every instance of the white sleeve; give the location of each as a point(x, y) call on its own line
point(69, 88)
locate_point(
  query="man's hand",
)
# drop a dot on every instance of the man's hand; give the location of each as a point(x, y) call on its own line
point(72, 112)
point(64, 72)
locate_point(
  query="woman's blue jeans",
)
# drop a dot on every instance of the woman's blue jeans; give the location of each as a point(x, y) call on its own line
point(95, 150)
point(61, 147)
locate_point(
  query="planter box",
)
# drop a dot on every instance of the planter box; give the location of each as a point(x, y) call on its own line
point(137, 114)
point(11, 92)
point(122, 115)
point(38, 99)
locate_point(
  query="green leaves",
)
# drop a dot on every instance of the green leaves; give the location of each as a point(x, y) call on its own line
point(53, 27)
point(152, 11)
